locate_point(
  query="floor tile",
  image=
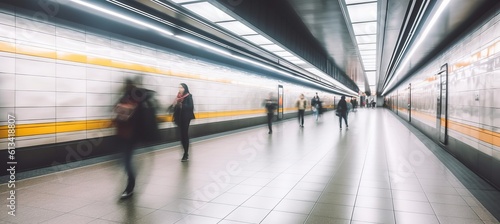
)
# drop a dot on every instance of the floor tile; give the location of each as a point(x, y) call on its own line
point(261, 202)
point(415, 218)
point(373, 215)
point(314, 174)
point(284, 217)
point(294, 206)
point(249, 215)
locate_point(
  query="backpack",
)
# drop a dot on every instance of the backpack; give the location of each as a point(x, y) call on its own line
point(124, 111)
point(147, 127)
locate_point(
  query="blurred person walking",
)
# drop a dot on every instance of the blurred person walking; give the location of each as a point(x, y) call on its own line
point(183, 114)
point(270, 104)
point(316, 106)
point(135, 121)
point(342, 111)
point(301, 105)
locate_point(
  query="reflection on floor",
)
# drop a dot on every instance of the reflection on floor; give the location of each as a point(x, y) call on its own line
point(376, 171)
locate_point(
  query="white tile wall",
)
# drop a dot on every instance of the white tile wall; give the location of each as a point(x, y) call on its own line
point(8, 98)
point(7, 19)
point(98, 86)
point(96, 73)
point(7, 64)
point(96, 112)
point(69, 113)
point(34, 37)
point(34, 67)
point(98, 99)
point(34, 25)
point(68, 99)
point(7, 81)
point(64, 43)
point(71, 85)
point(97, 40)
point(71, 71)
point(34, 141)
point(35, 83)
point(47, 90)
point(7, 31)
point(35, 99)
point(66, 33)
point(35, 113)
point(71, 136)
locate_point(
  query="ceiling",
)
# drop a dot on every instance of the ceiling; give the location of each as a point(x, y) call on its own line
point(326, 21)
point(323, 24)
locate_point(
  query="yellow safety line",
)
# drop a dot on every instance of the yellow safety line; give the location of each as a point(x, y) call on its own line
point(484, 135)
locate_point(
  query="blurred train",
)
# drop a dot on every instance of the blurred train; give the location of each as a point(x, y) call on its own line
point(454, 99)
point(59, 82)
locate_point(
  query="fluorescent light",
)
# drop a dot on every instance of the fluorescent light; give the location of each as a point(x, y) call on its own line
point(208, 11)
point(140, 12)
point(203, 45)
point(257, 39)
point(237, 27)
point(367, 57)
point(348, 2)
point(367, 47)
point(367, 53)
point(183, 1)
point(294, 60)
point(362, 12)
point(283, 53)
point(121, 16)
point(272, 47)
point(424, 34)
point(364, 28)
point(366, 39)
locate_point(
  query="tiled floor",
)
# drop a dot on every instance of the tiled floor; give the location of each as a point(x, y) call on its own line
point(377, 171)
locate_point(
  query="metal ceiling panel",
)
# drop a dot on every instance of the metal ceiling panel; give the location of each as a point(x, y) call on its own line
point(327, 24)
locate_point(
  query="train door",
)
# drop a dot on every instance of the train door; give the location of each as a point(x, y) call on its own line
point(280, 102)
point(442, 105)
point(409, 102)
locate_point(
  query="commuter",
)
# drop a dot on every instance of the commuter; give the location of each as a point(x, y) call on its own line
point(183, 114)
point(319, 107)
point(301, 105)
point(342, 111)
point(270, 104)
point(349, 108)
point(316, 106)
point(127, 122)
point(373, 104)
point(354, 104)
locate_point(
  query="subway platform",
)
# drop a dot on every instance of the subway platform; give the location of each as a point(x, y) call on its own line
point(379, 170)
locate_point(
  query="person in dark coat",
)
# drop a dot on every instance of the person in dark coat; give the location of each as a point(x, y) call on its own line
point(270, 104)
point(342, 109)
point(183, 114)
point(126, 123)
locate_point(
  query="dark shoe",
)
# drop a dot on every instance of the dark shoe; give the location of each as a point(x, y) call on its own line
point(270, 132)
point(126, 194)
point(185, 158)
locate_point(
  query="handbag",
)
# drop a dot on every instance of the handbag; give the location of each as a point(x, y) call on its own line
point(124, 111)
point(337, 113)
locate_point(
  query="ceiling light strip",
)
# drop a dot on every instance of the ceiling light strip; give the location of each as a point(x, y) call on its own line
point(109, 12)
point(421, 39)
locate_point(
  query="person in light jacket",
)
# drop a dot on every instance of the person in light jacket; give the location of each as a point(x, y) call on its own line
point(301, 105)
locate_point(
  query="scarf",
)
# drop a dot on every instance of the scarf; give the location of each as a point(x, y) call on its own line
point(180, 98)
